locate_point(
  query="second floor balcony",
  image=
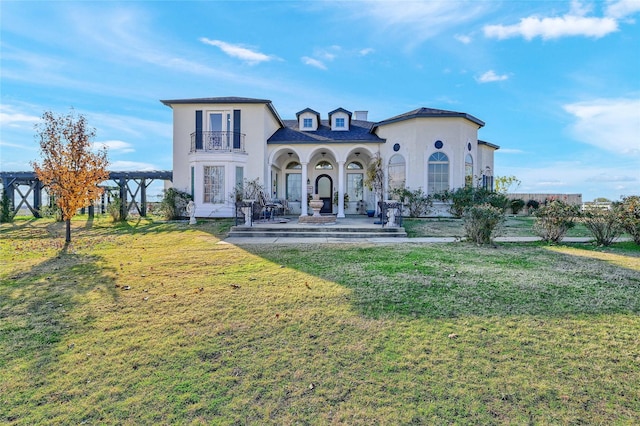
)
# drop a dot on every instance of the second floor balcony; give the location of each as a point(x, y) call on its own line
point(211, 141)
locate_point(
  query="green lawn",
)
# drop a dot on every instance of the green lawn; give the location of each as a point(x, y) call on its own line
point(160, 323)
point(514, 226)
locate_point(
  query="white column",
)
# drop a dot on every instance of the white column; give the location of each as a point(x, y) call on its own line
point(303, 201)
point(340, 188)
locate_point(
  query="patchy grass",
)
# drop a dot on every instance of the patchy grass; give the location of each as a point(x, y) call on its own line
point(148, 322)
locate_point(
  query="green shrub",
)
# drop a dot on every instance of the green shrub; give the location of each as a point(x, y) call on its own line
point(553, 220)
point(6, 214)
point(416, 201)
point(603, 224)
point(115, 210)
point(532, 206)
point(481, 222)
point(174, 204)
point(463, 198)
point(628, 214)
point(516, 205)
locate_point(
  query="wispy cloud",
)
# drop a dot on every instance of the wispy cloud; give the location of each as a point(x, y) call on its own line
point(245, 54)
point(510, 151)
point(622, 9)
point(464, 39)
point(572, 24)
point(9, 116)
point(491, 76)
point(114, 146)
point(609, 124)
point(366, 51)
point(313, 62)
point(419, 21)
point(132, 165)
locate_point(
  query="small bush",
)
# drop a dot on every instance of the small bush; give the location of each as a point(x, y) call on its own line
point(628, 214)
point(463, 198)
point(516, 205)
point(603, 225)
point(52, 210)
point(115, 210)
point(553, 220)
point(417, 202)
point(481, 222)
point(6, 214)
point(532, 206)
point(174, 204)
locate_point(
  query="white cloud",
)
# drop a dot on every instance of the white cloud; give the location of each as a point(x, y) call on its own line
point(550, 28)
point(609, 124)
point(9, 116)
point(465, 39)
point(490, 76)
point(622, 9)
point(574, 23)
point(238, 51)
point(114, 145)
point(366, 51)
point(313, 62)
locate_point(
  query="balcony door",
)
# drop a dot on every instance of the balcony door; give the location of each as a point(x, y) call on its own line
point(215, 129)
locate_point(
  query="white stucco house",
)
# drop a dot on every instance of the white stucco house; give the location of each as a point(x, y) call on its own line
point(219, 142)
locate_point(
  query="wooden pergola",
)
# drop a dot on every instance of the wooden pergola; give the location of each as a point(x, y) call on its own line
point(132, 188)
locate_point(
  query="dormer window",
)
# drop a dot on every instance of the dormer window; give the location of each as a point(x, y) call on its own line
point(308, 120)
point(340, 119)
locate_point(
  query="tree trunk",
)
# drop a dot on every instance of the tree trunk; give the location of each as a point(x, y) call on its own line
point(68, 233)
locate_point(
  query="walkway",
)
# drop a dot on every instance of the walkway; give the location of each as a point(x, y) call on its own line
point(395, 240)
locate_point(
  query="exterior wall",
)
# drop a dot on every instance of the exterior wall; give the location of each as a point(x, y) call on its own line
point(417, 137)
point(485, 161)
point(257, 123)
point(267, 162)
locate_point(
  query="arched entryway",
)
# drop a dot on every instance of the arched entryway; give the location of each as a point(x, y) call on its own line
point(324, 189)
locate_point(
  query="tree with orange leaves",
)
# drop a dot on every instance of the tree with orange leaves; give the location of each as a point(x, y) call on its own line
point(69, 167)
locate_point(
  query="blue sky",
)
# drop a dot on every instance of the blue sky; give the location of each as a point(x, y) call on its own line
point(557, 82)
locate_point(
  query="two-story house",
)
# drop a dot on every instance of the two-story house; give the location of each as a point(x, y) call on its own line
point(220, 142)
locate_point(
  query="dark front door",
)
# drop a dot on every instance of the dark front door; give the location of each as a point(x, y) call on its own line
point(324, 186)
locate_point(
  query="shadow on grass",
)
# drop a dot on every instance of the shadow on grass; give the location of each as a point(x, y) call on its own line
point(38, 308)
point(455, 280)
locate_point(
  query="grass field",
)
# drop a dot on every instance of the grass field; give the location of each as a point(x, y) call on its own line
point(160, 323)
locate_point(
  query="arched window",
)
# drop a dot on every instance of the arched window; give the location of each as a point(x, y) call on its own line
point(355, 179)
point(324, 165)
point(438, 173)
point(468, 170)
point(294, 165)
point(397, 172)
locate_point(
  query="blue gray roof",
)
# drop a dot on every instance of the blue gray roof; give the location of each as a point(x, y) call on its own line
point(359, 131)
point(428, 112)
point(218, 100)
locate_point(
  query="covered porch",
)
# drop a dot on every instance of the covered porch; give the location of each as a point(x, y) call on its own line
point(333, 172)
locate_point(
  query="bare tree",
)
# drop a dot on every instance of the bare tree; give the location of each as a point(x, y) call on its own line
point(69, 167)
